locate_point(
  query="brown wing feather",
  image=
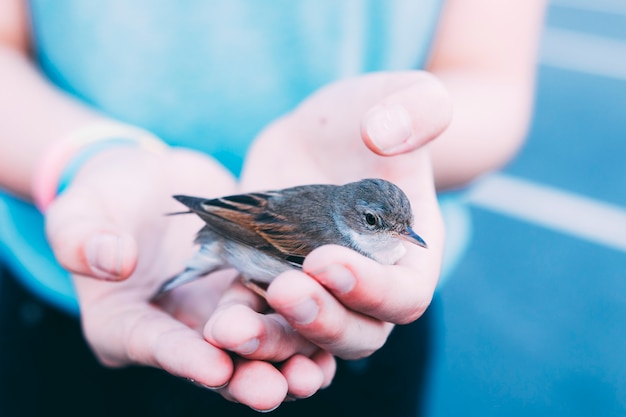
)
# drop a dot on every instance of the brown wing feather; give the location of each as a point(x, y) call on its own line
point(290, 228)
point(247, 219)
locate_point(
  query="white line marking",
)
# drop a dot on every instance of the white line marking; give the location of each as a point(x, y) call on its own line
point(591, 54)
point(602, 6)
point(553, 208)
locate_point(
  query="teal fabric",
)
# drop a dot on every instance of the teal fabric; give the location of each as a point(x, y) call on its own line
point(24, 248)
point(207, 75)
point(211, 74)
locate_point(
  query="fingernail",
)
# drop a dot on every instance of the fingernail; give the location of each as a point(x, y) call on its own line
point(201, 385)
point(104, 254)
point(266, 411)
point(389, 127)
point(302, 313)
point(248, 347)
point(337, 278)
point(291, 397)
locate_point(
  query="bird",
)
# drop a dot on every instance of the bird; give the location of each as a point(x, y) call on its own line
point(262, 234)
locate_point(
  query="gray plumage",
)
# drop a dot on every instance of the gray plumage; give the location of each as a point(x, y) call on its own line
point(263, 234)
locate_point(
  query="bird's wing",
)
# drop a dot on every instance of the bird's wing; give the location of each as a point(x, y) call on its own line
point(249, 220)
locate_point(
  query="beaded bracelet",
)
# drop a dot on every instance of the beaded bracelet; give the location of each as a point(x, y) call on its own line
point(62, 160)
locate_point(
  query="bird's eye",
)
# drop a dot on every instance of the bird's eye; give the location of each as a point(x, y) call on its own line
point(371, 219)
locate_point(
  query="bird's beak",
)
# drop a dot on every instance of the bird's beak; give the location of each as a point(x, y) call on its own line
point(410, 236)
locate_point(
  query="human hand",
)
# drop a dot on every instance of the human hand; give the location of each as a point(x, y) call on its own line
point(110, 224)
point(342, 301)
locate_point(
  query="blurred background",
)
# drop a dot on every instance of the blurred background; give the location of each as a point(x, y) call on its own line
point(533, 319)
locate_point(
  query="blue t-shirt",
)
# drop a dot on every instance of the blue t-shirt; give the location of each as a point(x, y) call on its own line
point(210, 75)
point(207, 75)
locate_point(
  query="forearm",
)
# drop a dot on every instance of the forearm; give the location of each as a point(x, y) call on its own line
point(485, 53)
point(34, 114)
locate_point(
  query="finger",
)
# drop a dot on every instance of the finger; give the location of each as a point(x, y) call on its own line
point(237, 326)
point(322, 319)
point(194, 303)
point(85, 242)
point(304, 376)
point(327, 364)
point(395, 293)
point(143, 334)
point(257, 384)
point(255, 336)
point(416, 110)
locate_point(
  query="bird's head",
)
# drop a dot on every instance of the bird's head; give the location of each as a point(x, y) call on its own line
point(376, 217)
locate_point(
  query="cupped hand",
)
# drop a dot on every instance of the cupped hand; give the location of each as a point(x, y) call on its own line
point(110, 224)
point(376, 125)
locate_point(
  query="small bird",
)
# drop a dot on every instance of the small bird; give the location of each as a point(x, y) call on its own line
point(263, 234)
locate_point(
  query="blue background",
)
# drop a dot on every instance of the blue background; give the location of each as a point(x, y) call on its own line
point(533, 320)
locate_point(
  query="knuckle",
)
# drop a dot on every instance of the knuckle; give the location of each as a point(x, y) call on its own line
point(333, 334)
point(135, 347)
point(414, 312)
point(360, 340)
point(109, 362)
point(100, 349)
point(377, 340)
point(377, 302)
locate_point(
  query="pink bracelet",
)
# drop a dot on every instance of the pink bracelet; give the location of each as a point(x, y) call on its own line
point(60, 154)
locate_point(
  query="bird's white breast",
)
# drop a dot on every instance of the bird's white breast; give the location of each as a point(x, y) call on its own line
point(384, 248)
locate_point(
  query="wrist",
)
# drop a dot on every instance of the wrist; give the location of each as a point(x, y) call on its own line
point(62, 160)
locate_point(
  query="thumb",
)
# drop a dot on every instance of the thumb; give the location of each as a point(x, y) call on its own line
point(86, 242)
point(416, 112)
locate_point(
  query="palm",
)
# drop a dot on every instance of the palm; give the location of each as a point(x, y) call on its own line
point(131, 191)
point(321, 142)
